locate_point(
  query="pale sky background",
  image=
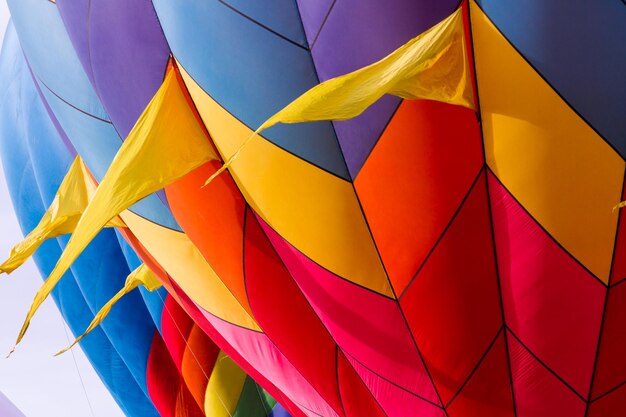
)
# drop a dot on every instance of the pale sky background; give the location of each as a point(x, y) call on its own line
point(39, 384)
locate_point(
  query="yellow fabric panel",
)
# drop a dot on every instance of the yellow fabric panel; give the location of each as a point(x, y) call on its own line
point(432, 66)
point(560, 170)
point(61, 218)
point(140, 276)
point(166, 143)
point(186, 265)
point(224, 387)
point(315, 211)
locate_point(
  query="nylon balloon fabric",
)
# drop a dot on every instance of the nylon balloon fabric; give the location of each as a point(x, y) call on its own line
point(380, 254)
point(147, 351)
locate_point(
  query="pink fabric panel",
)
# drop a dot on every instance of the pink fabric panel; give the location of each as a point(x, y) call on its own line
point(538, 393)
point(366, 325)
point(550, 302)
point(259, 351)
point(394, 400)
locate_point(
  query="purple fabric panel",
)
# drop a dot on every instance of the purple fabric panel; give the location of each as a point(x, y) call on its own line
point(358, 33)
point(358, 136)
point(129, 55)
point(7, 409)
point(124, 52)
point(313, 13)
point(74, 14)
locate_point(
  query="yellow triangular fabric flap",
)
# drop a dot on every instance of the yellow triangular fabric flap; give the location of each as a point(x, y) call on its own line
point(166, 143)
point(140, 276)
point(61, 217)
point(432, 66)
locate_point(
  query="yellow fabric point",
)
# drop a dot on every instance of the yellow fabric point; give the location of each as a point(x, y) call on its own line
point(166, 143)
point(140, 276)
point(432, 66)
point(61, 217)
point(619, 206)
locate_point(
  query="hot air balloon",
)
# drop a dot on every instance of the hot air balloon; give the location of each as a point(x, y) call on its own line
point(450, 249)
point(148, 352)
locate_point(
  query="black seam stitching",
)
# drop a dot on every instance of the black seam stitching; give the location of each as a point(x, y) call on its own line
point(444, 232)
point(475, 369)
point(489, 205)
point(391, 382)
point(558, 93)
point(287, 358)
point(314, 313)
point(317, 35)
point(264, 138)
point(552, 238)
point(543, 364)
point(267, 28)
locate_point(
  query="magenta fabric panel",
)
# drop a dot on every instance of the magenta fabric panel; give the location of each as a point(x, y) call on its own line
point(366, 325)
point(550, 301)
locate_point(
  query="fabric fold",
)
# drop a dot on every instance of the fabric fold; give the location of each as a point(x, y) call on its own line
point(142, 275)
point(61, 217)
point(166, 143)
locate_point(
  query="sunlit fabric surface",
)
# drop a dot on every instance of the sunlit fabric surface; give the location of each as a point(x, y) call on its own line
point(421, 259)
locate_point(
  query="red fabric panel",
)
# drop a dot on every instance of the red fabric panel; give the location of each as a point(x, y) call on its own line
point(201, 318)
point(453, 306)
point(212, 217)
point(167, 391)
point(286, 316)
point(488, 392)
point(611, 405)
point(395, 401)
point(357, 400)
point(550, 302)
point(365, 324)
point(175, 328)
point(538, 393)
point(415, 179)
point(611, 365)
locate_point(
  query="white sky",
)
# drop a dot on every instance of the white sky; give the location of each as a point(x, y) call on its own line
point(39, 384)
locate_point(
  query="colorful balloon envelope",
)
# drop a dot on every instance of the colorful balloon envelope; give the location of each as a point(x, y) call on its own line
point(420, 259)
point(149, 353)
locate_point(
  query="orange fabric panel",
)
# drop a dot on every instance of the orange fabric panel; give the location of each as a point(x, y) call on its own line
point(197, 365)
point(415, 179)
point(212, 217)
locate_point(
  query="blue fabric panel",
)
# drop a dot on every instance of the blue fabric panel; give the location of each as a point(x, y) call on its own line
point(280, 16)
point(251, 72)
point(153, 300)
point(101, 270)
point(579, 47)
point(51, 54)
point(18, 122)
point(97, 142)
